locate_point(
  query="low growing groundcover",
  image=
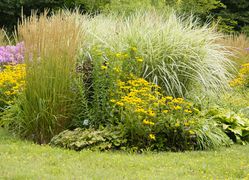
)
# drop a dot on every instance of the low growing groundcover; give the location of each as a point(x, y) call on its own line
point(24, 160)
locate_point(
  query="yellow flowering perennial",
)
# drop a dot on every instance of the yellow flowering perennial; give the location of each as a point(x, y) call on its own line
point(142, 101)
point(141, 96)
point(243, 76)
point(147, 122)
point(12, 80)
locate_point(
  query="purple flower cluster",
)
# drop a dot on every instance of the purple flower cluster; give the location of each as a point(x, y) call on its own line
point(12, 54)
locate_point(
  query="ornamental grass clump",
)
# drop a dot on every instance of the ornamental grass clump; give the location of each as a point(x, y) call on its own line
point(2, 37)
point(178, 53)
point(49, 100)
point(239, 45)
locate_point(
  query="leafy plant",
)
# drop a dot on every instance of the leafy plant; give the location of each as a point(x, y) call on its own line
point(80, 139)
point(234, 125)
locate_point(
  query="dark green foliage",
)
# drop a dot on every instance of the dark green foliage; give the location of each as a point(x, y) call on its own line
point(11, 10)
point(80, 139)
point(234, 16)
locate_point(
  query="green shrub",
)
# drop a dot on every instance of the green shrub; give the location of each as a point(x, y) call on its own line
point(80, 139)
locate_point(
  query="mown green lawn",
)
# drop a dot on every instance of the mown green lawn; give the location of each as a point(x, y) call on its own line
point(24, 160)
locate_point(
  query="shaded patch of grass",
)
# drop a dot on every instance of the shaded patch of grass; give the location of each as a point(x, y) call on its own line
point(24, 160)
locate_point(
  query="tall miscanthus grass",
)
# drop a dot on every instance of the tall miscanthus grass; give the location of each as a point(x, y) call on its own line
point(49, 100)
point(179, 54)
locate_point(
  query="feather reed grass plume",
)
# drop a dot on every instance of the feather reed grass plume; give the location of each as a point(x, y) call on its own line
point(239, 45)
point(51, 44)
point(3, 37)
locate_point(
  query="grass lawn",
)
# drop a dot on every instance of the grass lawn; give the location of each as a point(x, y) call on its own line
point(24, 160)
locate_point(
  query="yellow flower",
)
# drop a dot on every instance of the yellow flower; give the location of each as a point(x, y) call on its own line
point(191, 132)
point(12, 79)
point(118, 55)
point(177, 124)
point(139, 59)
point(134, 49)
point(113, 100)
point(186, 124)
point(169, 97)
point(165, 111)
point(7, 93)
point(103, 67)
point(116, 69)
point(177, 107)
point(140, 110)
point(151, 113)
point(119, 104)
point(152, 136)
point(187, 111)
point(147, 122)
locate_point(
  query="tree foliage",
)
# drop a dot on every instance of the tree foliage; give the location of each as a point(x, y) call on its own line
point(232, 15)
